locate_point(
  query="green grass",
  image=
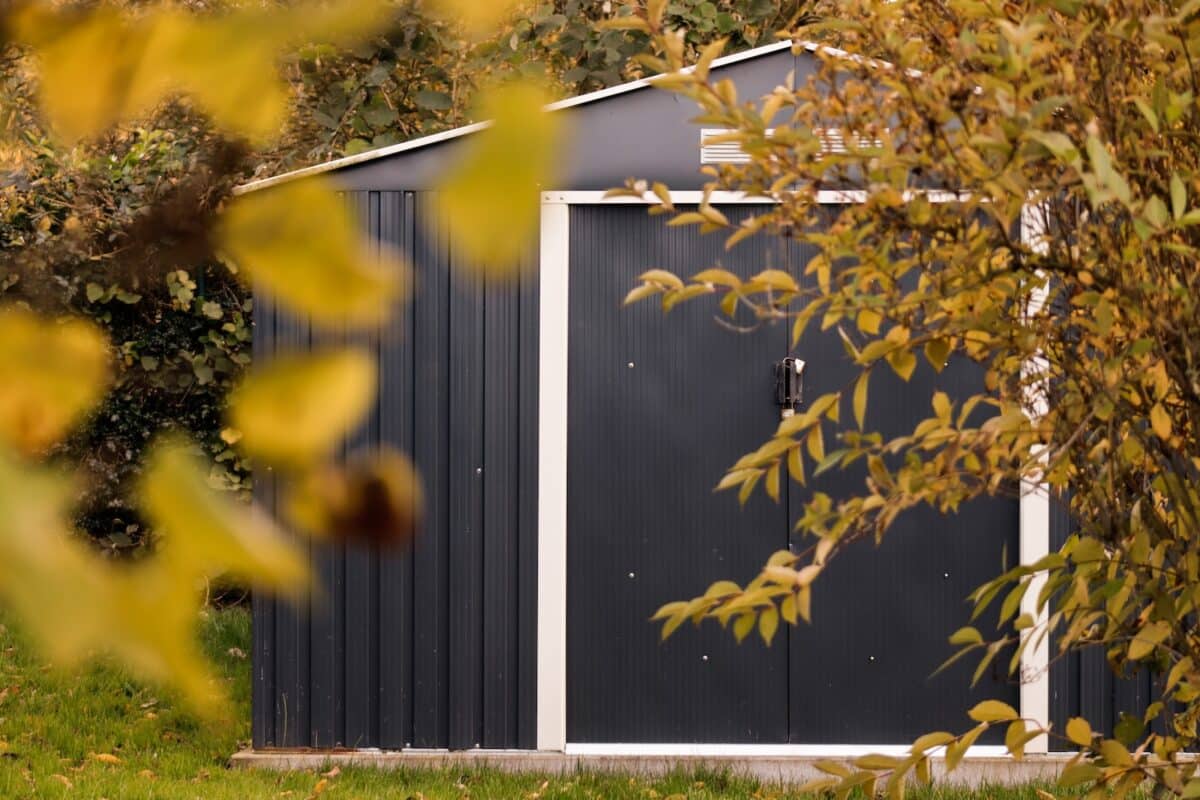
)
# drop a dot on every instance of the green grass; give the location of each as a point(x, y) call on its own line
point(58, 732)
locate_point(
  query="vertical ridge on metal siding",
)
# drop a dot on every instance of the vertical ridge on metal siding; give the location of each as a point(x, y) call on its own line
point(467, 321)
point(361, 567)
point(431, 444)
point(501, 488)
point(525, 686)
point(262, 654)
point(292, 620)
point(394, 628)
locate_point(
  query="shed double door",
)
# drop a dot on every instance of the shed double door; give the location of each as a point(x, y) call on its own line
point(658, 407)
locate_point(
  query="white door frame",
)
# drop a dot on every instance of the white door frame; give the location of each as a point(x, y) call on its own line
point(554, 295)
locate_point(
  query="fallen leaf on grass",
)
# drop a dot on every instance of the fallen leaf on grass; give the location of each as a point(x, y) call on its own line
point(104, 758)
point(64, 780)
point(333, 773)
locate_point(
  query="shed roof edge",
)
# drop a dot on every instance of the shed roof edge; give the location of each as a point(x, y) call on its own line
point(570, 102)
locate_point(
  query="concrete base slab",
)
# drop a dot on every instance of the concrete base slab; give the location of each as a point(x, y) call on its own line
point(783, 770)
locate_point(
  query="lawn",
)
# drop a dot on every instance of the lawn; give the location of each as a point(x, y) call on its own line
point(100, 734)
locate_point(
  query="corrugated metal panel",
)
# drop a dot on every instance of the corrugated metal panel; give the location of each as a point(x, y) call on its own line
point(659, 406)
point(397, 649)
point(1081, 683)
point(863, 671)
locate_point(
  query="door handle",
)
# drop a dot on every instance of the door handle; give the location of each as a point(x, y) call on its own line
point(789, 385)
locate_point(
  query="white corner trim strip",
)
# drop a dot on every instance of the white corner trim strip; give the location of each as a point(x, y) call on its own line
point(761, 750)
point(828, 197)
point(552, 478)
point(1035, 529)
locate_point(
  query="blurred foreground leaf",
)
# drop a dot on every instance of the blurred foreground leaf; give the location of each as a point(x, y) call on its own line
point(297, 408)
point(490, 201)
point(375, 498)
point(77, 605)
point(212, 533)
point(51, 373)
point(301, 244)
point(103, 66)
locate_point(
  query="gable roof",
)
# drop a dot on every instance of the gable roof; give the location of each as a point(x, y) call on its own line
point(571, 102)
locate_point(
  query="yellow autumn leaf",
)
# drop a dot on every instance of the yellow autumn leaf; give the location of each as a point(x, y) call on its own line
point(209, 532)
point(993, 711)
point(87, 68)
point(477, 16)
point(1160, 421)
point(297, 408)
point(300, 243)
point(47, 578)
point(51, 373)
point(1079, 731)
point(76, 605)
point(104, 66)
point(490, 199)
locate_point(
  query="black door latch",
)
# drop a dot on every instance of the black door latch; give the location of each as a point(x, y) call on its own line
point(789, 385)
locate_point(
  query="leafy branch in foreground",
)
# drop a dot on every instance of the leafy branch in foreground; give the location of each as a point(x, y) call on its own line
point(1012, 186)
point(108, 65)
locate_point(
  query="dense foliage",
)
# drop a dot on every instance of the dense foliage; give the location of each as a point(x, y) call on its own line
point(1021, 183)
point(115, 228)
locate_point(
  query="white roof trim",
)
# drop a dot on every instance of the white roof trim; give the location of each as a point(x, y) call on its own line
point(570, 102)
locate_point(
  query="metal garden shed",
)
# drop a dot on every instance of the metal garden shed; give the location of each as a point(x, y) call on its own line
point(555, 434)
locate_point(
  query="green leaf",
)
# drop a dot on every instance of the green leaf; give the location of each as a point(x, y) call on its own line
point(433, 100)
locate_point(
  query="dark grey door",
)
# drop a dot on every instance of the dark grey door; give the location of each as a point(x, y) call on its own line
point(659, 406)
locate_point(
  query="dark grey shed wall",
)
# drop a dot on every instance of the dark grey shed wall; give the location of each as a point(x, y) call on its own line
point(433, 647)
point(436, 647)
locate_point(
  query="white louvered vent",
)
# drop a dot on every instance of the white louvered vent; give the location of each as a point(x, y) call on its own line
point(832, 141)
point(720, 152)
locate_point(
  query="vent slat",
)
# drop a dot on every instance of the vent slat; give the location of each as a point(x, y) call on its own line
point(832, 141)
